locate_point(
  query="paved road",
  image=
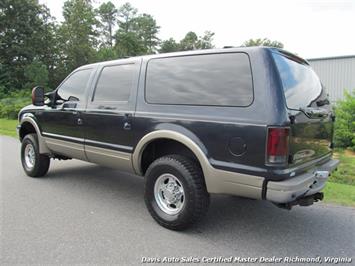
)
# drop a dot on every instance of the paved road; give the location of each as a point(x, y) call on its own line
point(83, 213)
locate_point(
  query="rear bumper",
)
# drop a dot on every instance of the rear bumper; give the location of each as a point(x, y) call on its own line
point(303, 185)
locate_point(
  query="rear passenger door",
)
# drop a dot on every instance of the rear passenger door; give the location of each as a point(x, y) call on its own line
point(109, 114)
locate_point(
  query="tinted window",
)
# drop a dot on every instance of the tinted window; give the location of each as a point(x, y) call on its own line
point(300, 83)
point(214, 79)
point(75, 85)
point(115, 83)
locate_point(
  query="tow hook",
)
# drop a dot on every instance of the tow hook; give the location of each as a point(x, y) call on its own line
point(303, 201)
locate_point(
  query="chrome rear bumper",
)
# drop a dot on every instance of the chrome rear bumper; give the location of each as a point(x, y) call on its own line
point(300, 186)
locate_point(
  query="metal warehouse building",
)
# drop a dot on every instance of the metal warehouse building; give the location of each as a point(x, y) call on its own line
point(336, 73)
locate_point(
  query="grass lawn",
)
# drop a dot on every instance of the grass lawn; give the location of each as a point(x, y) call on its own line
point(340, 189)
point(340, 194)
point(8, 127)
point(341, 186)
point(346, 169)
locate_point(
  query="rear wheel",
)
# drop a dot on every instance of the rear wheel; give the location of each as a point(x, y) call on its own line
point(34, 163)
point(175, 192)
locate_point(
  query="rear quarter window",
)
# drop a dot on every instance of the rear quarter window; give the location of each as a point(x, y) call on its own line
point(210, 79)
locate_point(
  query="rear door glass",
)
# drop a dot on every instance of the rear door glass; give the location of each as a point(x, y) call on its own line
point(115, 83)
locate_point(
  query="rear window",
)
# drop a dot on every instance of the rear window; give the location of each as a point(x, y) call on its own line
point(300, 83)
point(212, 79)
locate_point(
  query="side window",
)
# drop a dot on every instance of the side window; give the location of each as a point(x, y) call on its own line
point(115, 83)
point(211, 79)
point(75, 85)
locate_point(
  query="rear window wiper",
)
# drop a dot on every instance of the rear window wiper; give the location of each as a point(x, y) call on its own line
point(314, 112)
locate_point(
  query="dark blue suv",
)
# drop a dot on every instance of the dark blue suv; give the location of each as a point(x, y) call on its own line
point(252, 122)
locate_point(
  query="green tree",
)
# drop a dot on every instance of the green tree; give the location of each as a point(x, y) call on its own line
point(169, 45)
point(147, 29)
point(59, 68)
point(36, 74)
point(108, 16)
point(129, 44)
point(205, 41)
point(26, 34)
point(137, 34)
point(49, 51)
point(106, 53)
point(345, 122)
point(189, 42)
point(126, 13)
point(77, 34)
point(263, 42)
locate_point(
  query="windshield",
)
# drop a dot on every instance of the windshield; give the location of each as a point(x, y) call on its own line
point(300, 83)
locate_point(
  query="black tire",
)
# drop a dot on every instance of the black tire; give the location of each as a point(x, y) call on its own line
point(40, 163)
point(189, 174)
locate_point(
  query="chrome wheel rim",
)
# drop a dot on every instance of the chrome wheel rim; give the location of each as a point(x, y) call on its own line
point(30, 156)
point(169, 194)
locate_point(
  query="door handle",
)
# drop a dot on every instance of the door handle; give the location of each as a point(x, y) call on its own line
point(80, 121)
point(73, 111)
point(126, 116)
point(127, 126)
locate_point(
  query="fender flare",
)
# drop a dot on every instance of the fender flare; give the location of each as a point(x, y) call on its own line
point(167, 134)
point(43, 149)
point(217, 181)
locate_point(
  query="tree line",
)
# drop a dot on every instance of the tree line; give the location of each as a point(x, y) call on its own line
point(38, 50)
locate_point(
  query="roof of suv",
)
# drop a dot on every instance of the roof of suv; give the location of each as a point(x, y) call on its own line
point(205, 51)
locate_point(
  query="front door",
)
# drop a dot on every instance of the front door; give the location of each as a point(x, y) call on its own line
point(108, 118)
point(62, 123)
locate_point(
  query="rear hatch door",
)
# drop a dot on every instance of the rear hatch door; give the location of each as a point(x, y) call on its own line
point(308, 107)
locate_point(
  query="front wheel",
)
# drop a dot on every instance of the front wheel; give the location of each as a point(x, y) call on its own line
point(175, 192)
point(34, 163)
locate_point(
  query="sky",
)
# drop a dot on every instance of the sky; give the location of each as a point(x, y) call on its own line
point(312, 29)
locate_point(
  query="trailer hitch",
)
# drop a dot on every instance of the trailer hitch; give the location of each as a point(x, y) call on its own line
point(302, 201)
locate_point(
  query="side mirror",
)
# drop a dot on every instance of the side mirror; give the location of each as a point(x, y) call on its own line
point(52, 96)
point(38, 96)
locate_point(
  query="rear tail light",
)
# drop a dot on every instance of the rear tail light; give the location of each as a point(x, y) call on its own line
point(277, 145)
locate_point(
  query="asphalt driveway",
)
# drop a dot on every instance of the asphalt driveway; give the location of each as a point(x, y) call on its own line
point(87, 214)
